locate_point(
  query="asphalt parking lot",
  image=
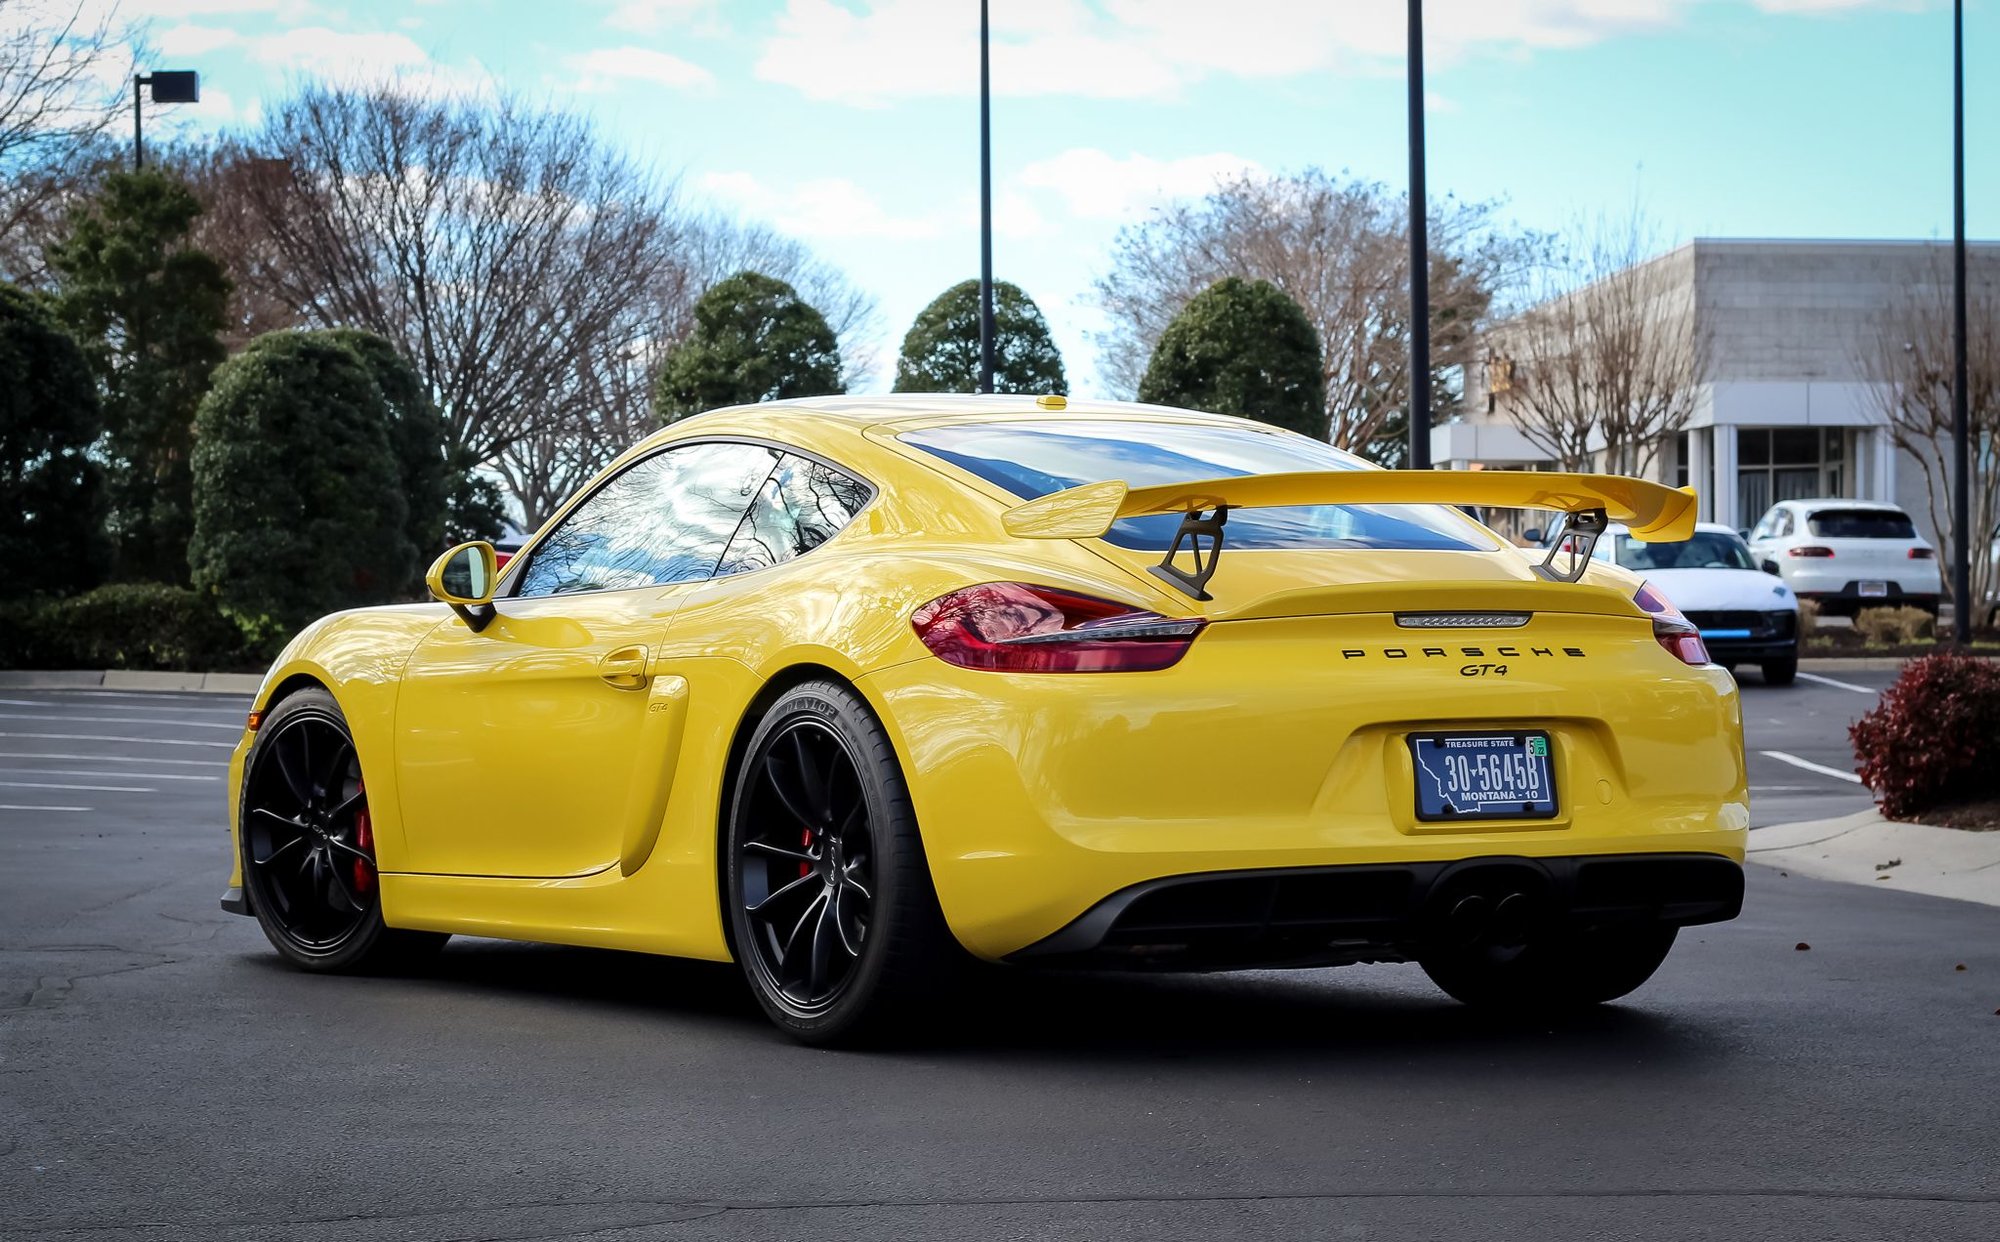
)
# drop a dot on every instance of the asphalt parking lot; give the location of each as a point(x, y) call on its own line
point(162, 1076)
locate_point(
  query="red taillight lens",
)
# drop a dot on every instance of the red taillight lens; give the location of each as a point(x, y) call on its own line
point(1013, 627)
point(1809, 550)
point(1922, 554)
point(1671, 628)
point(500, 559)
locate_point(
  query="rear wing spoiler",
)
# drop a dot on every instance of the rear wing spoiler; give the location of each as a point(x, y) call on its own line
point(1654, 512)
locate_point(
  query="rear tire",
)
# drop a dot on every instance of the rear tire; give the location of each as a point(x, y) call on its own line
point(1781, 672)
point(828, 895)
point(307, 846)
point(1568, 971)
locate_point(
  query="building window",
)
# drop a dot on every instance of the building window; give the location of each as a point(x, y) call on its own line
point(1788, 463)
point(1681, 460)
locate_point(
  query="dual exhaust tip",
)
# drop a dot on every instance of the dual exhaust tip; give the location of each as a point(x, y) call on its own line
point(1502, 918)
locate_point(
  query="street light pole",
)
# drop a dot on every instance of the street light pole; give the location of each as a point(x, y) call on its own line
point(1420, 279)
point(169, 86)
point(985, 209)
point(1961, 509)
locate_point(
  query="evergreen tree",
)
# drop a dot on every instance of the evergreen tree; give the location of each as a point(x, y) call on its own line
point(754, 339)
point(148, 310)
point(299, 506)
point(51, 490)
point(1241, 347)
point(941, 349)
point(416, 435)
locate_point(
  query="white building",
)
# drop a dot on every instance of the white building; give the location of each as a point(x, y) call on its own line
point(1787, 411)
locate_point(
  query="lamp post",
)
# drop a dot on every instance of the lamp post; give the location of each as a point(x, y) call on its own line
point(1420, 277)
point(168, 86)
point(985, 209)
point(1961, 509)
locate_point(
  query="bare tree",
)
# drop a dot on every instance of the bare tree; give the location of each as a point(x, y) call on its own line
point(498, 246)
point(64, 70)
point(1339, 248)
point(1909, 355)
point(554, 460)
point(1609, 360)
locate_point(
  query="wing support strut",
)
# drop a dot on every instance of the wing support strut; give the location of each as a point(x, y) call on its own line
point(1580, 533)
point(1193, 529)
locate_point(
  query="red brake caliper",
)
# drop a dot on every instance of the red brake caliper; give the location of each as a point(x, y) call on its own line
point(805, 869)
point(364, 837)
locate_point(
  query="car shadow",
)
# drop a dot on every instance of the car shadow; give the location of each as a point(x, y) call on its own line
point(1365, 1013)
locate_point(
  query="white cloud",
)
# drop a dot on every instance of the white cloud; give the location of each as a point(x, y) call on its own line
point(824, 207)
point(338, 53)
point(599, 69)
point(872, 51)
point(652, 16)
point(1096, 185)
point(190, 40)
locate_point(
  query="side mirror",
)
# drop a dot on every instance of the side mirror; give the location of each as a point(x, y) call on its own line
point(464, 578)
point(1744, 532)
point(1533, 534)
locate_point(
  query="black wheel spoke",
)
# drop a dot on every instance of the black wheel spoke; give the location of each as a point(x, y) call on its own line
point(275, 854)
point(855, 884)
point(783, 892)
point(354, 852)
point(849, 944)
point(790, 787)
point(793, 940)
point(336, 768)
point(344, 882)
point(280, 746)
point(812, 781)
point(779, 851)
point(352, 801)
point(819, 959)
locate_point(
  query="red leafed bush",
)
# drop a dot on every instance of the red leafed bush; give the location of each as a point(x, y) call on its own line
point(1934, 739)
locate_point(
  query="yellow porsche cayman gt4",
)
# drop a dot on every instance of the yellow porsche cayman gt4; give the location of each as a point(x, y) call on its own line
point(845, 690)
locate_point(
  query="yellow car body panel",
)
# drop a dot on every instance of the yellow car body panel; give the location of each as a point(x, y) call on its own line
point(518, 792)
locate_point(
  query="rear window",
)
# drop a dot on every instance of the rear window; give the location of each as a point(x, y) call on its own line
point(1032, 460)
point(1861, 524)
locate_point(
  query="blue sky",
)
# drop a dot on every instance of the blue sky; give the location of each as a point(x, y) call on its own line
point(852, 124)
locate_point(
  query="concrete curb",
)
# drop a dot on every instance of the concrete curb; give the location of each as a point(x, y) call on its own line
point(131, 679)
point(1865, 848)
point(1855, 664)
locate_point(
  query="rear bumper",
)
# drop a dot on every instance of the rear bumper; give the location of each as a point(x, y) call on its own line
point(1847, 596)
point(1283, 745)
point(1740, 650)
point(1319, 916)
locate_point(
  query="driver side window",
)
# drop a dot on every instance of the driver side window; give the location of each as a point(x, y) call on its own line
point(664, 519)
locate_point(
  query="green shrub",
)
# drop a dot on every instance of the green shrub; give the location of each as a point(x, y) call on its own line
point(754, 339)
point(299, 507)
point(52, 501)
point(1895, 626)
point(1242, 347)
point(941, 350)
point(135, 625)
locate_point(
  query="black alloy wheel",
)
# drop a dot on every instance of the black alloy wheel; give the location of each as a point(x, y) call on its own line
point(308, 842)
point(831, 911)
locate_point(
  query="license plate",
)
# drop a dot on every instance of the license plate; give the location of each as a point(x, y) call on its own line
point(1874, 590)
point(1494, 775)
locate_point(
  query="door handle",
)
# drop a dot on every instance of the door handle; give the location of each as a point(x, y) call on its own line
point(625, 668)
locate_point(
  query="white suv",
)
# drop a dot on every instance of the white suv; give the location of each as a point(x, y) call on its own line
point(1847, 554)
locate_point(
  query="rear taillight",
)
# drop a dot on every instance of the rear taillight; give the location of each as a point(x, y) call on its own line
point(1811, 549)
point(1672, 629)
point(1013, 627)
point(1922, 554)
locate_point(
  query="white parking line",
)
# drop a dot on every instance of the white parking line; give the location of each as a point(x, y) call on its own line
point(22, 806)
point(144, 720)
point(179, 763)
point(130, 776)
point(1809, 765)
point(100, 737)
point(1839, 685)
point(98, 788)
